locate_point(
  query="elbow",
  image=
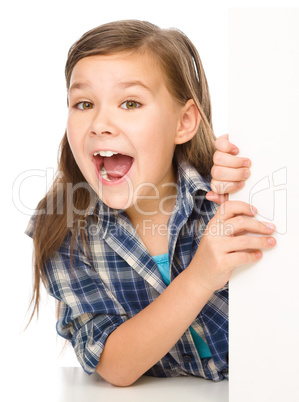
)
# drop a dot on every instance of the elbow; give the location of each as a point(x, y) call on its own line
point(117, 379)
point(122, 382)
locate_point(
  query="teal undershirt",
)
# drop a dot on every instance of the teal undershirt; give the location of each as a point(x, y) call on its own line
point(163, 265)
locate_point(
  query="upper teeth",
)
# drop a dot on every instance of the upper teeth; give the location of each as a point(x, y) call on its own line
point(105, 153)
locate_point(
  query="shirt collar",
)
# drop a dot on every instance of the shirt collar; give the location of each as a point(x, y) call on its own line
point(190, 186)
point(189, 180)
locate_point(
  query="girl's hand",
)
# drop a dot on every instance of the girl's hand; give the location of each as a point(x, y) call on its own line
point(225, 246)
point(229, 172)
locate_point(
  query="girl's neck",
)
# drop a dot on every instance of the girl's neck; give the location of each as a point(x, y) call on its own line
point(157, 205)
point(150, 217)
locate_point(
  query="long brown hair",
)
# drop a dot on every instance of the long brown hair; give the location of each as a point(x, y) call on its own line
point(185, 80)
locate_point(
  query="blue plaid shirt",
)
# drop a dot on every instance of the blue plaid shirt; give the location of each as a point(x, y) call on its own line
point(99, 294)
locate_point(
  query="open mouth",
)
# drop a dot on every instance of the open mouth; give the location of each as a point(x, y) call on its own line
point(112, 166)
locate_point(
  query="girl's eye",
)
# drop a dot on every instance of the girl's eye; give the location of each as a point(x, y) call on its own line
point(84, 105)
point(130, 104)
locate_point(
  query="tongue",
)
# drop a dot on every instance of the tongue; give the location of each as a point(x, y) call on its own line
point(117, 165)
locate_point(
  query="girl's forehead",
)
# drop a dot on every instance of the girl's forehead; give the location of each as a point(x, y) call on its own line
point(118, 65)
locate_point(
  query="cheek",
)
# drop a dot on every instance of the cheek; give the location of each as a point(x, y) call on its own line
point(74, 134)
point(77, 121)
point(154, 139)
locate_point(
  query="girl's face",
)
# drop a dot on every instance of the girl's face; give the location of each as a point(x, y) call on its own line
point(120, 103)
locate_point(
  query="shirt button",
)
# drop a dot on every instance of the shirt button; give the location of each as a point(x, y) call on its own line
point(187, 358)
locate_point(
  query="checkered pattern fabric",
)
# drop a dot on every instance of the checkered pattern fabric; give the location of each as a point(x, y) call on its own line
point(100, 293)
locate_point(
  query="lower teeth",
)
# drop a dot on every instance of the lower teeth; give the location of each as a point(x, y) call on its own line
point(104, 173)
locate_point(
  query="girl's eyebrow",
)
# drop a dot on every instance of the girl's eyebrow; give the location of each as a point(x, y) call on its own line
point(122, 84)
point(128, 84)
point(79, 85)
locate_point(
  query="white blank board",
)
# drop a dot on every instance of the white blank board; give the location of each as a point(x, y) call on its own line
point(264, 123)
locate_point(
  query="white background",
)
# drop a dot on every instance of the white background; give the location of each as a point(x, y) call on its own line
point(35, 38)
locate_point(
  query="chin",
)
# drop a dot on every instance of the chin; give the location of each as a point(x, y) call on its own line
point(120, 202)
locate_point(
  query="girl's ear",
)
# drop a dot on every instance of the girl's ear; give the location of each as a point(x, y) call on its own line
point(188, 124)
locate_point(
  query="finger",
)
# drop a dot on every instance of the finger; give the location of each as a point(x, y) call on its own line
point(229, 209)
point(223, 144)
point(241, 223)
point(245, 242)
point(221, 173)
point(222, 187)
point(225, 159)
point(239, 258)
point(218, 198)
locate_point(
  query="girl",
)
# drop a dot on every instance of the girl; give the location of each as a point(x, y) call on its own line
point(126, 240)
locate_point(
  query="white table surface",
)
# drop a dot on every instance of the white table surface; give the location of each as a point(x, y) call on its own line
point(71, 384)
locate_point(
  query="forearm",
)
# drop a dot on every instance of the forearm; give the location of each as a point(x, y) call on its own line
point(137, 344)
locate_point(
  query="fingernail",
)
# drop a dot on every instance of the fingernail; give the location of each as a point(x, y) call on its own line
point(271, 226)
point(258, 255)
point(235, 151)
point(253, 209)
point(246, 173)
point(271, 241)
point(240, 184)
point(246, 164)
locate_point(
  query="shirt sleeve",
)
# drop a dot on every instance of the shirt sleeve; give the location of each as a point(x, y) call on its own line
point(89, 310)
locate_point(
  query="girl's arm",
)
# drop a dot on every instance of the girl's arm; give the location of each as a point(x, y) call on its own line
point(137, 344)
point(229, 172)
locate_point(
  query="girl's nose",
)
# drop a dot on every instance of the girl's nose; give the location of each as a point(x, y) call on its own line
point(102, 124)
